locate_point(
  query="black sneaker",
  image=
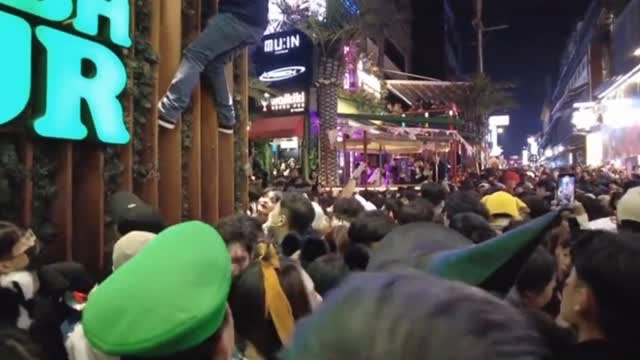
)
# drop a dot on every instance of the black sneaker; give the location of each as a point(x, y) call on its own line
point(164, 121)
point(229, 129)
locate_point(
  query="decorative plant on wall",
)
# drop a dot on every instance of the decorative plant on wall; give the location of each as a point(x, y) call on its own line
point(241, 173)
point(365, 101)
point(11, 179)
point(44, 188)
point(113, 168)
point(189, 25)
point(142, 67)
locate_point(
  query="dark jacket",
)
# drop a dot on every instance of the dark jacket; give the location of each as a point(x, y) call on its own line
point(597, 350)
point(252, 12)
point(557, 340)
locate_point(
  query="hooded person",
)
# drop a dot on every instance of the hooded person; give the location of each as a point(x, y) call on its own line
point(493, 265)
point(381, 316)
point(174, 311)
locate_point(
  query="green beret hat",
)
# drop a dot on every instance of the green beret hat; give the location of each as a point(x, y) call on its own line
point(170, 297)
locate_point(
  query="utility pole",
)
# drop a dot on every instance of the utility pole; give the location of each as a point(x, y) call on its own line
point(480, 28)
point(479, 25)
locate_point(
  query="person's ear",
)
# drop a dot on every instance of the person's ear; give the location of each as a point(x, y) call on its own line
point(281, 221)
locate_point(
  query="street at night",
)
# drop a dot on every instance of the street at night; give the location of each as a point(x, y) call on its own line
point(319, 179)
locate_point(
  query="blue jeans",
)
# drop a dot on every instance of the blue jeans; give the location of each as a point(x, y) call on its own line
point(222, 39)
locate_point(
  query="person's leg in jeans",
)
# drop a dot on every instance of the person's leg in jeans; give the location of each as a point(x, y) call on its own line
point(223, 33)
point(215, 72)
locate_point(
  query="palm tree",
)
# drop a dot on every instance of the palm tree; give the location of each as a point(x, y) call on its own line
point(485, 97)
point(344, 22)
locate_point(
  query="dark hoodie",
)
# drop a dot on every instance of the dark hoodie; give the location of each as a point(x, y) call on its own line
point(252, 12)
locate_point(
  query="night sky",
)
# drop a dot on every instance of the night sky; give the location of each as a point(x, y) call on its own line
point(525, 53)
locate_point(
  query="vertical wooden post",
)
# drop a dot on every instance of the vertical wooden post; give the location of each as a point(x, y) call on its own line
point(226, 165)
point(61, 210)
point(194, 165)
point(25, 152)
point(209, 159)
point(148, 190)
point(170, 149)
point(242, 65)
point(126, 151)
point(88, 207)
point(210, 149)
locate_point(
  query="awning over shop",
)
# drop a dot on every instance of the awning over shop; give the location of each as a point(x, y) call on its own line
point(399, 119)
point(351, 135)
point(414, 91)
point(277, 127)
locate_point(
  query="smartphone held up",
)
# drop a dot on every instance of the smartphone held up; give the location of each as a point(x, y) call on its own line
point(566, 194)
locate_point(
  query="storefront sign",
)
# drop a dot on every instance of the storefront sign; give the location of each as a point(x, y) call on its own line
point(294, 102)
point(282, 45)
point(56, 62)
point(285, 60)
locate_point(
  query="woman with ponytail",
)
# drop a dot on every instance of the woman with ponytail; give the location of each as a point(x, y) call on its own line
point(267, 299)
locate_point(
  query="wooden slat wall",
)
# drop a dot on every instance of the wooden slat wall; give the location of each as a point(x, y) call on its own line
point(194, 161)
point(88, 206)
point(148, 189)
point(126, 152)
point(242, 89)
point(170, 149)
point(26, 158)
point(62, 205)
point(79, 203)
point(209, 154)
point(226, 164)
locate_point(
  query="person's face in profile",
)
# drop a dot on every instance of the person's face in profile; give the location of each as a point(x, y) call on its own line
point(240, 258)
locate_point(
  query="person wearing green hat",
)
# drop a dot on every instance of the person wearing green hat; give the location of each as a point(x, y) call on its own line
point(168, 302)
point(493, 265)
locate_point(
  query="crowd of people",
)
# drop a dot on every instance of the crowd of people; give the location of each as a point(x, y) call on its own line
point(487, 268)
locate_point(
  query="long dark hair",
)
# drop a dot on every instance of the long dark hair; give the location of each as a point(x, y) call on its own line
point(247, 302)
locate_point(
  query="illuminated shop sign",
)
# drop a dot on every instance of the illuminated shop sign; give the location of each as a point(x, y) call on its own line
point(282, 73)
point(282, 45)
point(57, 64)
point(294, 102)
point(285, 60)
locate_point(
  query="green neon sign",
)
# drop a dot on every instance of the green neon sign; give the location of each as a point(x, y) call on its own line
point(67, 76)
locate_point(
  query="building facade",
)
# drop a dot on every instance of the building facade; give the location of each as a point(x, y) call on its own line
point(614, 129)
point(443, 56)
point(583, 68)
